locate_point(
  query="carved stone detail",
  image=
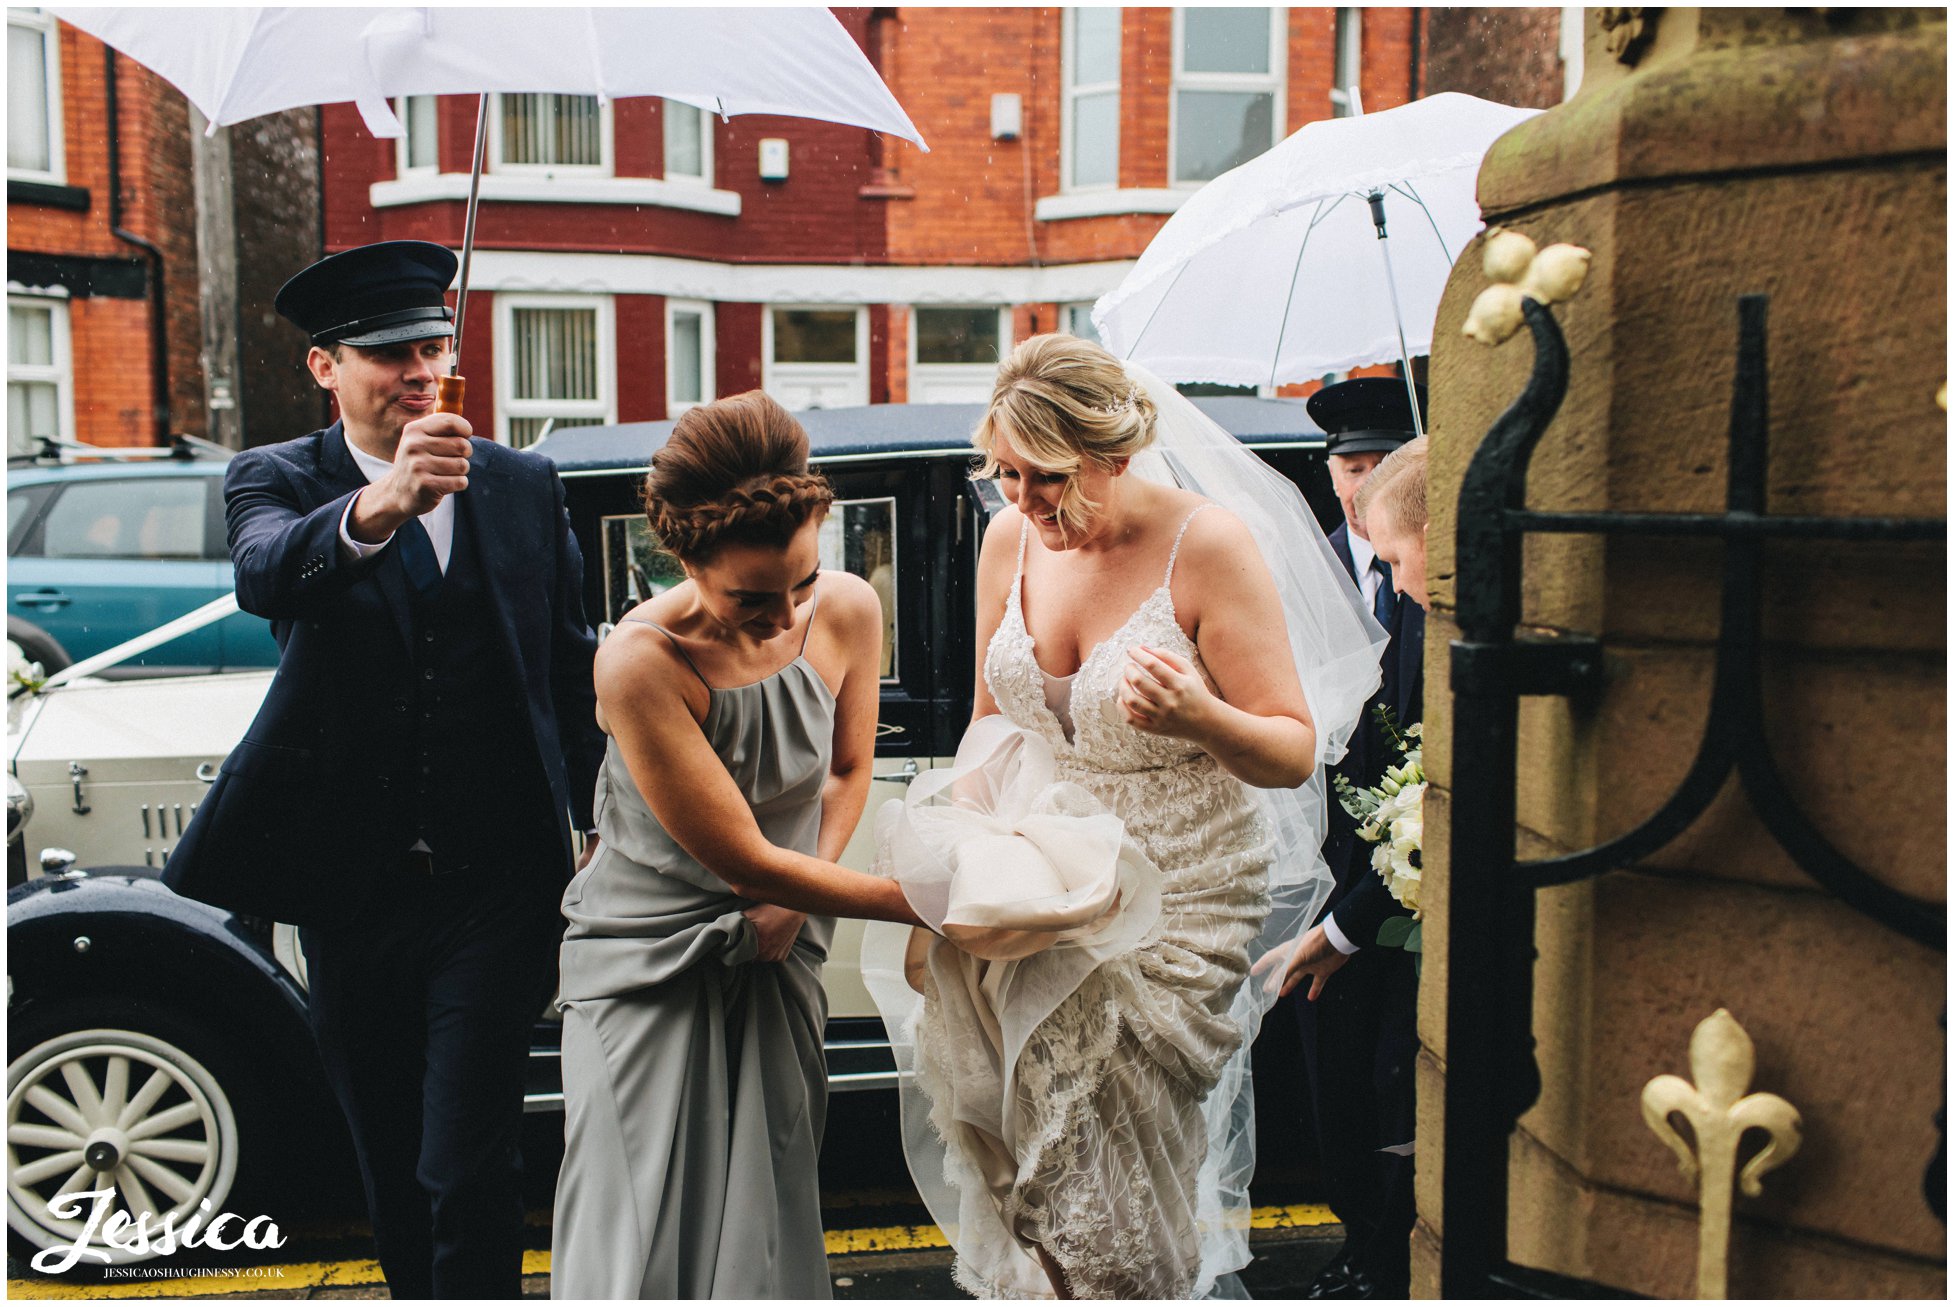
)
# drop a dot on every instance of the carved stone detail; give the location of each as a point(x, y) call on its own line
point(1629, 31)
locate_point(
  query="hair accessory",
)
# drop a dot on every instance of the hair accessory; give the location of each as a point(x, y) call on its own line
point(1122, 408)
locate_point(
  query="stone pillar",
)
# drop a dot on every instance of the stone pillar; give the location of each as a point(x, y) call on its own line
point(1710, 154)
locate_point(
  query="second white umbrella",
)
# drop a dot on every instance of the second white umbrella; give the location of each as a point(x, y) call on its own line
point(1273, 273)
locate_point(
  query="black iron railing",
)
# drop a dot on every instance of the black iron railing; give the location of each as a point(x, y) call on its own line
point(1492, 1076)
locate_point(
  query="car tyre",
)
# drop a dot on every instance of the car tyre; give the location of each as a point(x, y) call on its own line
point(37, 646)
point(99, 1094)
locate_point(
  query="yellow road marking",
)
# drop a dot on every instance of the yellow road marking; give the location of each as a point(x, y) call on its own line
point(299, 1276)
point(1294, 1217)
point(885, 1239)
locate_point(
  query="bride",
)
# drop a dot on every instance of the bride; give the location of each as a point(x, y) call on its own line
point(1169, 653)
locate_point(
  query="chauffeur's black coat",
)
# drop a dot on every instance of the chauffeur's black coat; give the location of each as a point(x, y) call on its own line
point(457, 714)
point(324, 791)
point(1360, 1036)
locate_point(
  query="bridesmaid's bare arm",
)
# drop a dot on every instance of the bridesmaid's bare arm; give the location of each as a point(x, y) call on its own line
point(854, 629)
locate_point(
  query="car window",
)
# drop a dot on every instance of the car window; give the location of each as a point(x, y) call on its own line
point(859, 535)
point(141, 517)
point(21, 506)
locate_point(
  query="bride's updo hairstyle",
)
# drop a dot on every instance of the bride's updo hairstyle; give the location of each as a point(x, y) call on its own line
point(734, 472)
point(1063, 403)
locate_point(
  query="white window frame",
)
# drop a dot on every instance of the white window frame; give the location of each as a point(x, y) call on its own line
point(507, 406)
point(607, 149)
point(922, 374)
point(1349, 54)
point(60, 372)
point(1080, 308)
point(774, 374)
point(401, 167)
point(1275, 80)
point(708, 355)
point(56, 172)
point(1573, 48)
point(705, 176)
point(1070, 94)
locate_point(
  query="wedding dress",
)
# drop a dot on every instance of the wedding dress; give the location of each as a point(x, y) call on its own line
point(1096, 1157)
point(1073, 1038)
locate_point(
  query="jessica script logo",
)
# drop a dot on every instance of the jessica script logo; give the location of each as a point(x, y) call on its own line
point(138, 1237)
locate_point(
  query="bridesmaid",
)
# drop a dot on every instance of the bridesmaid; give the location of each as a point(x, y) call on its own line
point(740, 709)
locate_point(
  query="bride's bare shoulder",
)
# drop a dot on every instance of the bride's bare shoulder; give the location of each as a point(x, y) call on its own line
point(1000, 548)
point(1216, 541)
point(1002, 531)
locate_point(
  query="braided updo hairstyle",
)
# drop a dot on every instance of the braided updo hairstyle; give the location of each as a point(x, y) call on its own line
point(1064, 403)
point(734, 472)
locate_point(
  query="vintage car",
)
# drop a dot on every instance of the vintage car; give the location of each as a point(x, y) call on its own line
point(162, 1043)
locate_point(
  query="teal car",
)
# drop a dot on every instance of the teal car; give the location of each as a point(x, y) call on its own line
point(100, 552)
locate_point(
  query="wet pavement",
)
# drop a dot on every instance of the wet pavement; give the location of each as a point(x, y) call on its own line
point(881, 1243)
point(1286, 1256)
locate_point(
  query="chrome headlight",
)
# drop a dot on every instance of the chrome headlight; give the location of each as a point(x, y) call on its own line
point(20, 806)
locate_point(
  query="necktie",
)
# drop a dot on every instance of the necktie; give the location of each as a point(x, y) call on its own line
point(1385, 606)
point(417, 556)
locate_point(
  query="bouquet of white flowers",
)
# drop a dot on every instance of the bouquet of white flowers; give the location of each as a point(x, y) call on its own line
point(1390, 816)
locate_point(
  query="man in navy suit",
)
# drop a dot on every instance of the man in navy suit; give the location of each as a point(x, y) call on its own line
point(1359, 1020)
point(405, 793)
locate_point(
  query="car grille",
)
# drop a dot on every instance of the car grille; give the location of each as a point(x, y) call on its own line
point(162, 826)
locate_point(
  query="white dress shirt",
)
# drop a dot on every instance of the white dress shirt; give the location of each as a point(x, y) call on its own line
point(1361, 557)
point(439, 522)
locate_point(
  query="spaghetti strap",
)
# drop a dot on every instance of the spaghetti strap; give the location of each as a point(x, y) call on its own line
point(1024, 534)
point(675, 645)
point(1175, 554)
point(813, 605)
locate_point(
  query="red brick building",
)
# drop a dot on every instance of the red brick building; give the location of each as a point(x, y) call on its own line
point(107, 288)
point(89, 244)
point(636, 257)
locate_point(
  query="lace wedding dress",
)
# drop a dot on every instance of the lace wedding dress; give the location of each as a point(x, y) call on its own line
point(1065, 1097)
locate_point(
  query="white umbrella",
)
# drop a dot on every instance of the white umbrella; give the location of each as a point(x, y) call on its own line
point(1278, 271)
point(235, 64)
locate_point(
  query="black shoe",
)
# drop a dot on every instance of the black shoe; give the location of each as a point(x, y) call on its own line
point(1359, 1284)
point(1333, 1281)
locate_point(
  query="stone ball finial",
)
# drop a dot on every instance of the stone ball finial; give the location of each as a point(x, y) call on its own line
point(1520, 270)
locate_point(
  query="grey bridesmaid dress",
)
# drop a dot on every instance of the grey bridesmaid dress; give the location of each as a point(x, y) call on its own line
point(695, 1088)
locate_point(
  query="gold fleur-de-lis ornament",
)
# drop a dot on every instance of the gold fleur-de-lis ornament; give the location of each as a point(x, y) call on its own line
point(1719, 1111)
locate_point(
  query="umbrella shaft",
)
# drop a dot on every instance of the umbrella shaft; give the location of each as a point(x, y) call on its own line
point(1404, 351)
point(468, 226)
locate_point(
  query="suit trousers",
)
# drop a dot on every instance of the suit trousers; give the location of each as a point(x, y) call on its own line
point(1360, 1039)
point(422, 1008)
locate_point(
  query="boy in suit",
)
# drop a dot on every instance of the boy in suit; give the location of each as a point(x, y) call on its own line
point(1359, 1018)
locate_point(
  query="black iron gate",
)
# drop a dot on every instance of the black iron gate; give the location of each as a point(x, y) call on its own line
point(1491, 1073)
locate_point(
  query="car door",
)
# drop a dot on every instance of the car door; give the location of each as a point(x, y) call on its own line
point(113, 557)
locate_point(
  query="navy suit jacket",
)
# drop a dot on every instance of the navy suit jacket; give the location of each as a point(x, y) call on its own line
point(1360, 902)
point(303, 817)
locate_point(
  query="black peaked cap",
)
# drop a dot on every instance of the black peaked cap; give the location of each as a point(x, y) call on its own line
point(373, 295)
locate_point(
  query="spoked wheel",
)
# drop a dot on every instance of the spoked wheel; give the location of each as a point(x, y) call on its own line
point(107, 1109)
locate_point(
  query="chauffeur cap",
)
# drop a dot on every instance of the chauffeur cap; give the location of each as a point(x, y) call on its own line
point(1365, 415)
point(372, 295)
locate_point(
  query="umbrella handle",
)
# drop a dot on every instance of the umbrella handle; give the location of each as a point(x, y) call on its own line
point(448, 392)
